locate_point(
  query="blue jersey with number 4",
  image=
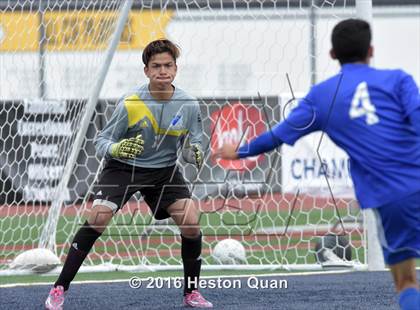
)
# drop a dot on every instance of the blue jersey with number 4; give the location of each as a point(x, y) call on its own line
point(365, 111)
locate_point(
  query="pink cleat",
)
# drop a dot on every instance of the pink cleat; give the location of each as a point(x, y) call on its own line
point(55, 299)
point(196, 300)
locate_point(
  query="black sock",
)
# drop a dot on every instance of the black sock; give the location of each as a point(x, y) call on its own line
point(82, 243)
point(190, 253)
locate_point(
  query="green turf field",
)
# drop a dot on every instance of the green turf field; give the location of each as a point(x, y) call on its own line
point(25, 229)
point(124, 235)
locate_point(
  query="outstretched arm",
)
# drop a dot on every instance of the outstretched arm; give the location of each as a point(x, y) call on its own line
point(301, 121)
point(263, 143)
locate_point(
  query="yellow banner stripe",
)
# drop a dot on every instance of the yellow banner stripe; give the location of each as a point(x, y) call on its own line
point(79, 31)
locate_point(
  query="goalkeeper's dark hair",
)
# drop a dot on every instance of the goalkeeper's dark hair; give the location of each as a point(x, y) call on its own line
point(351, 40)
point(158, 47)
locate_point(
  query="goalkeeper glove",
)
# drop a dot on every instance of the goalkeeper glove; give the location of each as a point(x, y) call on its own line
point(128, 148)
point(198, 156)
point(193, 155)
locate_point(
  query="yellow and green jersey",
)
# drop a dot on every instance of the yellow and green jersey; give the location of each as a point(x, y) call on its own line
point(163, 125)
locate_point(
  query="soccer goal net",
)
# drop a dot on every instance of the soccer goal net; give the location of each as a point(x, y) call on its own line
point(246, 62)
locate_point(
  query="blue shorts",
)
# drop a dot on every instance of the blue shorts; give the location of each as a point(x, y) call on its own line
point(399, 229)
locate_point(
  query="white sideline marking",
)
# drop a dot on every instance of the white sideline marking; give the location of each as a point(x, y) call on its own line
point(306, 229)
point(203, 277)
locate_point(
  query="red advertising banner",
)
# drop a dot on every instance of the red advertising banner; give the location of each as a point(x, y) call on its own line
point(236, 123)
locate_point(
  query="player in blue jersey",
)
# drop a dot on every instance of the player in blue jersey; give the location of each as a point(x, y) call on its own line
point(374, 115)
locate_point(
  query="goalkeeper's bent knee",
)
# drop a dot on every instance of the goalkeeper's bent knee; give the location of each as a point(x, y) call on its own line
point(86, 237)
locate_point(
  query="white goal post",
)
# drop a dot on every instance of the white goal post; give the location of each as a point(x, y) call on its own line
point(62, 79)
point(375, 257)
point(47, 240)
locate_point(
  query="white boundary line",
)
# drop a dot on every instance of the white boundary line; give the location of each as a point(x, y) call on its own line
point(201, 277)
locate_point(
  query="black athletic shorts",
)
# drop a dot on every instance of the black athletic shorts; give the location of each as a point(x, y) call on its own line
point(160, 187)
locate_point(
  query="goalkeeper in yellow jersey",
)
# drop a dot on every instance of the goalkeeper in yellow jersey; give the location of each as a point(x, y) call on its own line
point(140, 144)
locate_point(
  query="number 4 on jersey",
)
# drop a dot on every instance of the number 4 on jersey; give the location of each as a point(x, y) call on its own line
point(361, 105)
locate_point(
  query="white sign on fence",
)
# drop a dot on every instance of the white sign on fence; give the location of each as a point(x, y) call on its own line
point(314, 166)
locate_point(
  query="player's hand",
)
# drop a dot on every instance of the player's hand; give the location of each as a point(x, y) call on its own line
point(193, 154)
point(198, 156)
point(227, 151)
point(128, 148)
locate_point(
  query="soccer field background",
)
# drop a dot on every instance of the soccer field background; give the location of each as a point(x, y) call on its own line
point(61, 74)
point(128, 236)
